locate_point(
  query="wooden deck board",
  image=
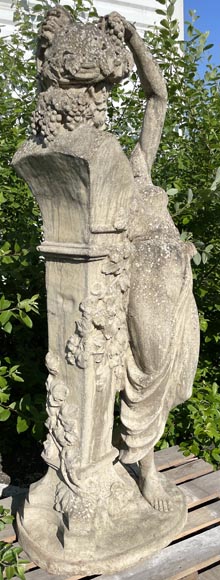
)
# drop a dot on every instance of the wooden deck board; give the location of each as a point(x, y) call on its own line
point(171, 457)
point(212, 574)
point(201, 518)
point(188, 471)
point(39, 574)
point(193, 576)
point(8, 534)
point(203, 489)
point(42, 575)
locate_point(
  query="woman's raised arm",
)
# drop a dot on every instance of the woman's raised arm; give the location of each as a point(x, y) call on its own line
point(154, 87)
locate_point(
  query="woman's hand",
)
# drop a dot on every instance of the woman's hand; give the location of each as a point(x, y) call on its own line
point(118, 25)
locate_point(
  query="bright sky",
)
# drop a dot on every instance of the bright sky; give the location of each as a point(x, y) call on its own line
point(209, 12)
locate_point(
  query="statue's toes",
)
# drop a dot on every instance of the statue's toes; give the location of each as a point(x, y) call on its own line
point(162, 504)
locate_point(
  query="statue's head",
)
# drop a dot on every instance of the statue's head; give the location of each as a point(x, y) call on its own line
point(55, 20)
point(77, 65)
point(80, 54)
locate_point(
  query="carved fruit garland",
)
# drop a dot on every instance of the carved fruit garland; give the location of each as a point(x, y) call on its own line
point(101, 333)
point(62, 421)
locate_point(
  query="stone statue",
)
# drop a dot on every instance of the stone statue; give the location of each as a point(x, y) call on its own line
point(121, 314)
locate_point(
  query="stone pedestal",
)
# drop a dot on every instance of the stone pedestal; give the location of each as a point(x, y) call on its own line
point(87, 515)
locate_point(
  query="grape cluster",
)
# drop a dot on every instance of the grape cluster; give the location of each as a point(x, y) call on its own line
point(46, 123)
point(68, 109)
point(77, 110)
point(116, 27)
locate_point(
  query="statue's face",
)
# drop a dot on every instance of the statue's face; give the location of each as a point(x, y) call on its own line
point(80, 54)
point(56, 18)
point(83, 54)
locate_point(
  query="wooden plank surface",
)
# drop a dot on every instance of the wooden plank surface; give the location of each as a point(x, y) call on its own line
point(171, 457)
point(203, 489)
point(178, 560)
point(5, 537)
point(201, 518)
point(39, 574)
point(193, 576)
point(191, 470)
point(178, 472)
point(212, 573)
point(8, 534)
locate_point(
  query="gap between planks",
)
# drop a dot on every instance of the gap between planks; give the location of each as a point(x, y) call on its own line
point(212, 573)
point(171, 457)
point(201, 518)
point(202, 489)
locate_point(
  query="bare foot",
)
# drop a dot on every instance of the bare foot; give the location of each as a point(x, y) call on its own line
point(152, 484)
point(153, 491)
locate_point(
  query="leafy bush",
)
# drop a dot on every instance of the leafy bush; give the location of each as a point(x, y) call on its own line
point(10, 563)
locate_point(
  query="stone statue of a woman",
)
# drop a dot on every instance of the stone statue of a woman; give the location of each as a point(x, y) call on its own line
point(162, 314)
point(121, 314)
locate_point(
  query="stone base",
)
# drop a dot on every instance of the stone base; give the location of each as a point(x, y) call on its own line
point(119, 535)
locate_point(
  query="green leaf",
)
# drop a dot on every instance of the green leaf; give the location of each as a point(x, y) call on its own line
point(3, 382)
point(161, 12)
point(203, 324)
point(197, 259)
point(10, 572)
point(22, 424)
point(208, 46)
point(17, 378)
point(8, 327)
point(20, 572)
point(17, 247)
point(4, 304)
point(170, 10)
point(4, 414)
point(5, 316)
point(2, 198)
point(216, 454)
point(8, 553)
point(26, 319)
point(164, 23)
point(172, 191)
point(7, 519)
point(204, 257)
point(7, 260)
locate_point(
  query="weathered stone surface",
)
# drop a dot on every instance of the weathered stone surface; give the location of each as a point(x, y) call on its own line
point(121, 313)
